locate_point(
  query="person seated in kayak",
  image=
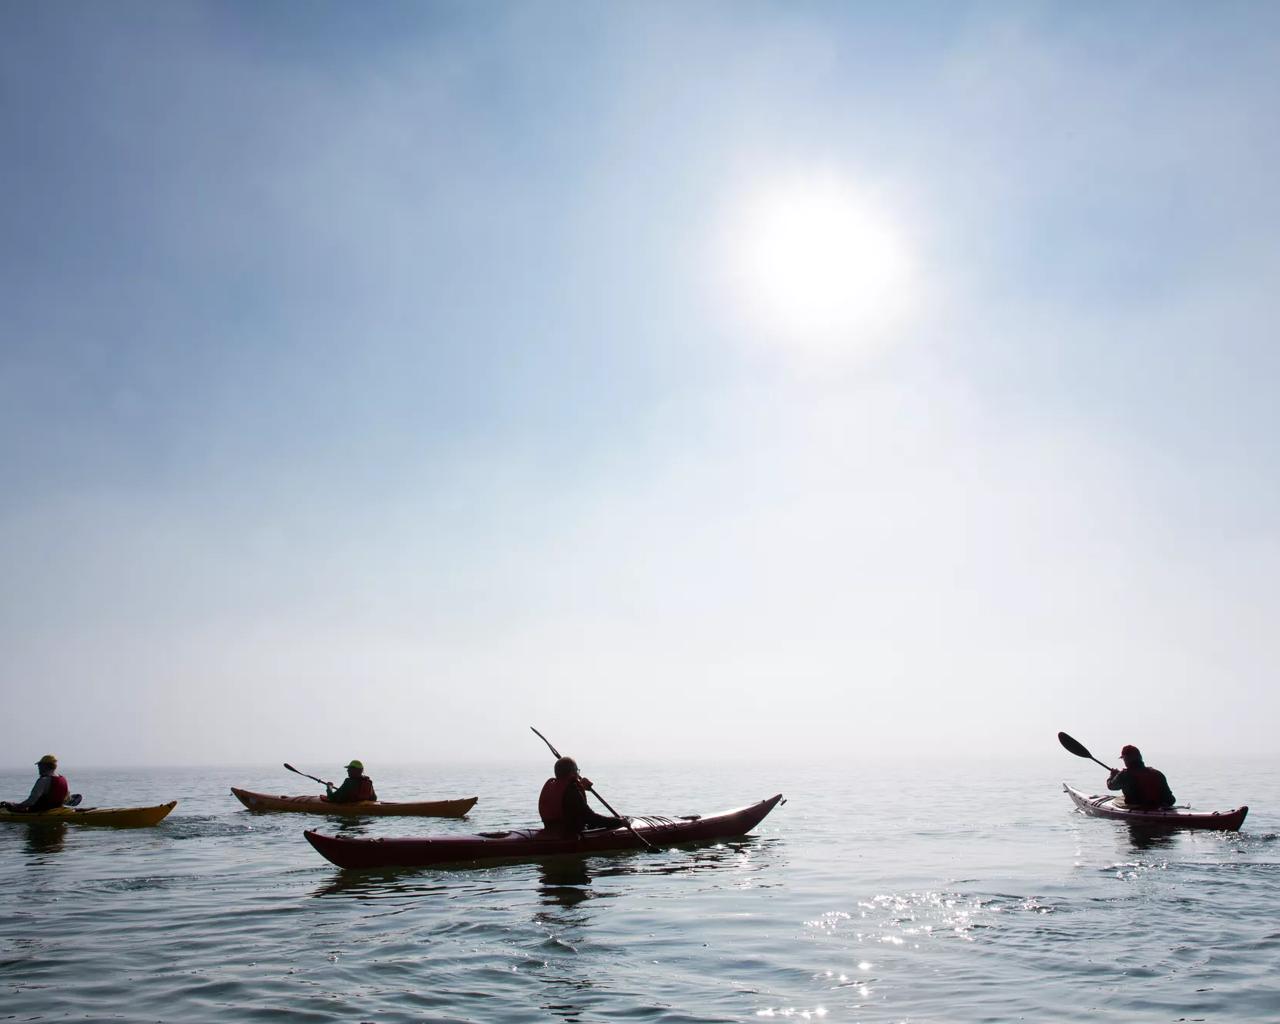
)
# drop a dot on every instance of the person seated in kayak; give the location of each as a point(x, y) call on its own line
point(562, 805)
point(356, 787)
point(50, 791)
point(1143, 787)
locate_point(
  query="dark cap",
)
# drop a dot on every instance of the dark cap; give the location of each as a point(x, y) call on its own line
point(1129, 750)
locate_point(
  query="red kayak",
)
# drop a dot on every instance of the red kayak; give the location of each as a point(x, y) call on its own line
point(359, 809)
point(1111, 807)
point(533, 844)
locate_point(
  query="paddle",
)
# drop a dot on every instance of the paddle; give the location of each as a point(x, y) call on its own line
point(306, 776)
point(1080, 750)
point(72, 801)
point(626, 821)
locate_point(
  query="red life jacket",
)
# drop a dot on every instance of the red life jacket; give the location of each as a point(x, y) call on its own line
point(364, 789)
point(551, 801)
point(55, 796)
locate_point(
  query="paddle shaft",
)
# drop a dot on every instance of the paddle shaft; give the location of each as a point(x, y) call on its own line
point(553, 750)
point(72, 801)
point(607, 806)
point(306, 776)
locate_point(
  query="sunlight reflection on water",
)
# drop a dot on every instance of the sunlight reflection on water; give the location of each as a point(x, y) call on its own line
point(903, 910)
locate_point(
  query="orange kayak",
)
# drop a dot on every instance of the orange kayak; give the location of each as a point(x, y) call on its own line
point(363, 808)
point(117, 817)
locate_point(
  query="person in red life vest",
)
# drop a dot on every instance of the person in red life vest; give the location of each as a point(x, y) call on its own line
point(355, 787)
point(562, 804)
point(1144, 788)
point(51, 789)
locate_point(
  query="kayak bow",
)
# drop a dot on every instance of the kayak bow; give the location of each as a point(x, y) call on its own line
point(1110, 806)
point(372, 808)
point(534, 844)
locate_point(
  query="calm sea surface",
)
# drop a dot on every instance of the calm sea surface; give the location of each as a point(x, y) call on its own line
point(889, 892)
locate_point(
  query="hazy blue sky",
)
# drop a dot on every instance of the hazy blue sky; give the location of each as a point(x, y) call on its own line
point(694, 379)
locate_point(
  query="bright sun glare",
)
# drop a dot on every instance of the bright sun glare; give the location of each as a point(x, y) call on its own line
point(815, 263)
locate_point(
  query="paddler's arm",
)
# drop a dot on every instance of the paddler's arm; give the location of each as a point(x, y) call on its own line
point(344, 794)
point(590, 817)
point(37, 791)
point(603, 821)
point(1116, 779)
point(1167, 800)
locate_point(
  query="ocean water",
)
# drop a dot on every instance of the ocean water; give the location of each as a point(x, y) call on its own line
point(878, 892)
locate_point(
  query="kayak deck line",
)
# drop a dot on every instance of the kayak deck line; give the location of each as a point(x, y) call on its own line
point(638, 821)
point(265, 802)
point(535, 844)
point(1107, 806)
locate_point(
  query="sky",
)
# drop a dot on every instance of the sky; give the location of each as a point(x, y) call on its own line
point(723, 380)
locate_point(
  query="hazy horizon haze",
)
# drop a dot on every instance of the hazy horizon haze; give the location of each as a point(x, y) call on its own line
point(807, 379)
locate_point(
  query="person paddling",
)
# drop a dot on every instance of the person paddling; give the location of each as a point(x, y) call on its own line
point(1144, 787)
point(50, 791)
point(563, 807)
point(356, 787)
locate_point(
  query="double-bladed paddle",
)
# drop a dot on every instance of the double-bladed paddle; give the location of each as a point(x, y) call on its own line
point(626, 821)
point(1080, 750)
point(306, 776)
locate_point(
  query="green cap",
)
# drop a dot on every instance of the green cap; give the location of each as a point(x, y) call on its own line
point(48, 759)
point(357, 764)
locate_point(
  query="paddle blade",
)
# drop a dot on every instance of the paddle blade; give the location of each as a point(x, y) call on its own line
point(555, 753)
point(1074, 745)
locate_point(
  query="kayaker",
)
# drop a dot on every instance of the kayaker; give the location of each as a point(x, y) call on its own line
point(51, 789)
point(1143, 787)
point(355, 787)
point(562, 805)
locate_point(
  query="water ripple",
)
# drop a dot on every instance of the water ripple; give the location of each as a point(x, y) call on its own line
point(906, 911)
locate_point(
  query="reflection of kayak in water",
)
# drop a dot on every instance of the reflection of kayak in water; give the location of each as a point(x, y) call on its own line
point(361, 808)
point(533, 844)
point(119, 817)
point(1112, 807)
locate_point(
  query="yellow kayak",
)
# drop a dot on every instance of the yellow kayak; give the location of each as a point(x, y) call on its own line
point(118, 817)
point(375, 808)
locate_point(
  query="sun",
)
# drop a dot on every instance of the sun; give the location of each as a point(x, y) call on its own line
point(814, 262)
